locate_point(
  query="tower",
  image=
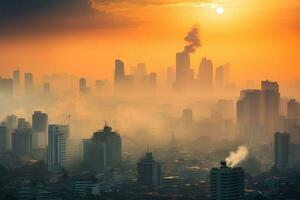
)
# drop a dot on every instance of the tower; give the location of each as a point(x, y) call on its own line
point(119, 73)
point(40, 129)
point(227, 183)
point(28, 82)
point(281, 150)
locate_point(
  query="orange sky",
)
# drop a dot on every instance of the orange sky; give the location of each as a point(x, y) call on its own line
point(259, 38)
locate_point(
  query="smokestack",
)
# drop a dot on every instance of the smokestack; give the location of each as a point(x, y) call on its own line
point(193, 41)
point(235, 157)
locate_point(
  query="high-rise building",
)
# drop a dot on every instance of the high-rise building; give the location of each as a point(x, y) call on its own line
point(293, 110)
point(83, 89)
point(28, 82)
point(22, 123)
point(271, 104)
point(102, 151)
point(222, 75)
point(12, 124)
point(149, 171)
point(187, 116)
point(39, 129)
point(152, 80)
point(184, 73)
point(227, 183)
point(94, 155)
point(22, 141)
point(281, 150)
point(16, 80)
point(119, 73)
point(6, 87)
point(205, 75)
point(3, 138)
point(141, 69)
point(58, 137)
point(249, 113)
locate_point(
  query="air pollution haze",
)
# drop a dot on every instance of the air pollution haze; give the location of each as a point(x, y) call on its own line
point(235, 157)
point(193, 40)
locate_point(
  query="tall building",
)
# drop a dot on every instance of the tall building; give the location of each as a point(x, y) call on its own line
point(205, 75)
point(16, 80)
point(3, 138)
point(184, 73)
point(141, 69)
point(249, 113)
point(271, 104)
point(152, 80)
point(28, 82)
point(119, 74)
point(39, 129)
point(281, 150)
point(293, 110)
point(187, 116)
point(222, 75)
point(94, 155)
point(6, 87)
point(227, 183)
point(22, 141)
point(102, 151)
point(83, 89)
point(12, 124)
point(149, 171)
point(58, 137)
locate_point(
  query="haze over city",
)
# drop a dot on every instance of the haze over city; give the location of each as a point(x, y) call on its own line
point(129, 99)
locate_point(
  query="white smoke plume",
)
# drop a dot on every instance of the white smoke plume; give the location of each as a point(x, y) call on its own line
point(235, 157)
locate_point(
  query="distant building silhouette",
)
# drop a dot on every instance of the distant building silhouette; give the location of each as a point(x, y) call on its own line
point(58, 138)
point(16, 80)
point(12, 124)
point(4, 138)
point(227, 183)
point(40, 129)
point(222, 75)
point(28, 82)
point(119, 74)
point(83, 89)
point(293, 109)
point(187, 116)
point(103, 150)
point(184, 73)
point(281, 150)
point(149, 171)
point(6, 87)
point(205, 75)
point(22, 141)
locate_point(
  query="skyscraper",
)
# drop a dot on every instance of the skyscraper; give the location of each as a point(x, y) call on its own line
point(205, 75)
point(281, 150)
point(58, 137)
point(11, 123)
point(271, 104)
point(39, 129)
point(83, 89)
point(22, 141)
point(16, 79)
point(250, 115)
point(28, 82)
point(227, 183)
point(3, 138)
point(293, 110)
point(119, 73)
point(222, 75)
point(149, 171)
point(184, 73)
point(6, 87)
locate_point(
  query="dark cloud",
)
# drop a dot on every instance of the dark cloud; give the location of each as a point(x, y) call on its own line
point(54, 15)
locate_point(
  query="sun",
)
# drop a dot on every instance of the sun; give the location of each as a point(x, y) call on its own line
point(219, 10)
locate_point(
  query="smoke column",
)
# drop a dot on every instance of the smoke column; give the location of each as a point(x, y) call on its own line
point(236, 157)
point(193, 40)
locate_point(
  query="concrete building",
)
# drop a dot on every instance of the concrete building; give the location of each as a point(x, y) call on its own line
point(28, 82)
point(40, 129)
point(149, 171)
point(281, 150)
point(22, 141)
point(205, 76)
point(58, 137)
point(227, 183)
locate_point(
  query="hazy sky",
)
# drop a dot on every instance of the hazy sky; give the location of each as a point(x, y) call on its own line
point(259, 38)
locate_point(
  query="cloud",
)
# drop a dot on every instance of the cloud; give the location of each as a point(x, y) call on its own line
point(54, 15)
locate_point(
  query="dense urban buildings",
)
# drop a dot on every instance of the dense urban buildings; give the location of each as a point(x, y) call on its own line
point(281, 150)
